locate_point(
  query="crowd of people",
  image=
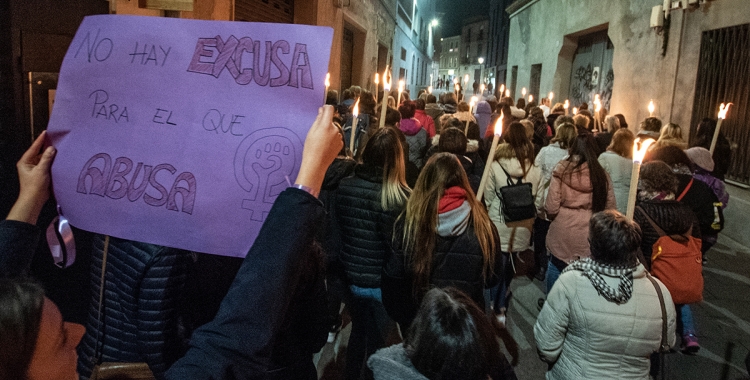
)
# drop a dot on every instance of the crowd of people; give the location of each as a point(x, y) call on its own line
point(415, 234)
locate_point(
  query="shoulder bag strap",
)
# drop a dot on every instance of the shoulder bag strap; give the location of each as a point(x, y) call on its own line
point(102, 281)
point(651, 221)
point(509, 177)
point(664, 345)
point(682, 194)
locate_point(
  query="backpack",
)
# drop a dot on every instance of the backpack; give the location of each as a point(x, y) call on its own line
point(676, 260)
point(516, 200)
point(717, 223)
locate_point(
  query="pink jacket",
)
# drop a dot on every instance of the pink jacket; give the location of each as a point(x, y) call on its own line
point(569, 205)
point(427, 122)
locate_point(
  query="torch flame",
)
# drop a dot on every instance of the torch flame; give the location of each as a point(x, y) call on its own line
point(723, 110)
point(466, 78)
point(328, 79)
point(377, 78)
point(507, 93)
point(473, 99)
point(651, 107)
point(499, 126)
point(401, 85)
point(386, 81)
point(482, 87)
point(551, 96)
point(531, 98)
point(575, 110)
point(523, 91)
point(638, 154)
point(355, 110)
point(502, 88)
point(598, 106)
point(567, 104)
point(429, 89)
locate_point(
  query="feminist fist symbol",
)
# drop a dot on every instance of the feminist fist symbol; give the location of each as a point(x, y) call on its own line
point(262, 163)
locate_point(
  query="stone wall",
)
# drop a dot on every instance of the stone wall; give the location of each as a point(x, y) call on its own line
point(546, 32)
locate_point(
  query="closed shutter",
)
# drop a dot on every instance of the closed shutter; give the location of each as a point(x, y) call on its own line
point(264, 11)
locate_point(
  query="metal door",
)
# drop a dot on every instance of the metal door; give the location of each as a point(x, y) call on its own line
point(347, 54)
point(592, 70)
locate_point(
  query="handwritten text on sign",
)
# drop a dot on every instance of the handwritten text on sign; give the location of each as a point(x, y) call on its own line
point(183, 132)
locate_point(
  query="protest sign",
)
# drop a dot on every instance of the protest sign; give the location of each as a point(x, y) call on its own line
point(183, 132)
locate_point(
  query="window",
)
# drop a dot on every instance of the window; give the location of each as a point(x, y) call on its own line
point(403, 54)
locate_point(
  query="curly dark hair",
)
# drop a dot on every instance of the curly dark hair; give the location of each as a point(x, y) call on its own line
point(657, 176)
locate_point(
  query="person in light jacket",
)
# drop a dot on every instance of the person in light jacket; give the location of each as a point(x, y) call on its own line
point(617, 161)
point(603, 317)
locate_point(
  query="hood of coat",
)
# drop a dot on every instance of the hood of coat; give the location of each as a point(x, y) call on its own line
point(577, 179)
point(483, 108)
point(410, 127)
point(506, 157)
point(453, 212)
point(392, 363)
point(464, 116)
point(517, 112)
point(448, 108)
point(434, 107)
point(472, 146)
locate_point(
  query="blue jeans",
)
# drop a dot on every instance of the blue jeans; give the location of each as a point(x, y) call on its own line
point(685, 324)
point(501, 292)
point(553, 273)
point(370, 327)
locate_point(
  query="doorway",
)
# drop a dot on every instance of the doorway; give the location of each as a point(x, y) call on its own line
point(592, 72)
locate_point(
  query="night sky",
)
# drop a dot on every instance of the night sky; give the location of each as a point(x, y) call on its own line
point(455, 11)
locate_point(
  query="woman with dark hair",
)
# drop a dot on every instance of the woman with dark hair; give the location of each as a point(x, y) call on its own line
point(449, 102)
point(617, 161)
point(623, 122)
point(521, 103)
point(579, 188)
point(35, 343)
point(603, 317)
point(604, 137)
point(453, 140)
point(451, 338)
point(656, 200)
point(513, 161)
point(416, 136)
point(722, 152)
point(443, 238)
point(367, 205)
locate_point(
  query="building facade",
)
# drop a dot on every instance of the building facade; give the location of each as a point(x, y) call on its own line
point(686, 64)
point(497, 50)
point(474, 42)
point(449, 59)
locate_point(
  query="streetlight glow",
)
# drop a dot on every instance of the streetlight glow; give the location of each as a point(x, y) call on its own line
point(435, 22)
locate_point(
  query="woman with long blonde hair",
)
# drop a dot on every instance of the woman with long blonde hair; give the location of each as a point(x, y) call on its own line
point(444, 238)
point(367, 205)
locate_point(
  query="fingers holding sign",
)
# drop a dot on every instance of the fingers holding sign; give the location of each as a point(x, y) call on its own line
point(34, 179)
point(322, 145)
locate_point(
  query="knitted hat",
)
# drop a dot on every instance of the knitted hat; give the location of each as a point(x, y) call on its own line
point(701, 157)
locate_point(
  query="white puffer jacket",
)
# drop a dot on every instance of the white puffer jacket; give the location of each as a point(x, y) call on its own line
point(588, 337)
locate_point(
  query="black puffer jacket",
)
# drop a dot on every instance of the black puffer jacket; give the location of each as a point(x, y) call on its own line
point(671, 216)
point(364, 225)
point(457, 261)
point(329, 236)
point(700, 199)
point(141, 299)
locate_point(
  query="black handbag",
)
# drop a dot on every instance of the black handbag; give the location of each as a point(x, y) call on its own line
point(517, 201)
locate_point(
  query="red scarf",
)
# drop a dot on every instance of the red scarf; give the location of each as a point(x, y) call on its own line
point(452, 198)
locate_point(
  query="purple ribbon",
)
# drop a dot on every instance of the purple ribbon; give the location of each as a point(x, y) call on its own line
point(60, 241)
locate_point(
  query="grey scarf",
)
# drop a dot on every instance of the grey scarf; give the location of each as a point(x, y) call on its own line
point(593, 271)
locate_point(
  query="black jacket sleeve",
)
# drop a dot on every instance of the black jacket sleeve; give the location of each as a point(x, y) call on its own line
point(238, 343)
point(18, 241)
point(397, 283)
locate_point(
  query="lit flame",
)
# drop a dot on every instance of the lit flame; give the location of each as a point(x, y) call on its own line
point(723, 110)
point(429, 89)
point(507, 93)
point(531, 98)
point(596, 98)
point(473, 100)
point(401, 85)
point(598, 106)
point(502, 88)
point(638, 154)
point(386, 81)
point(523, 91)
point(355, 110)
point(481, 88)
point(466, 78)
point(575, 111)
point(499, 126)
point(651, 107)
point(455, 80)
point(567, 104)
point(328, 79)
point(551, 96)
point(377, 78)
point(456, 86)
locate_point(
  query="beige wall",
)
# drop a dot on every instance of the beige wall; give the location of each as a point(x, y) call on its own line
point(641, 72)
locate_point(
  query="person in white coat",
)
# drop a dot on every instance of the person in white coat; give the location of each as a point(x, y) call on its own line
point(514, 158)
point(617, 161)
point(603, 316)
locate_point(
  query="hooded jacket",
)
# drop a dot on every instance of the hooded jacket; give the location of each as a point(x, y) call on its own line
point(568, 204)
point(434, 111)
point(584, 336)
point(416, 137)
point(514, 236)
point(483, 114)
point(428, 123)
point(620, 170)
point(547, 160)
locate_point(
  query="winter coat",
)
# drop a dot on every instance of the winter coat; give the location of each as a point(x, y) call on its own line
point(569, 205)
point(391, 363)
point(603, 139)
point(700, 199)
point(434, 111)
point(584, 336)
point(619, 169)
point(663, 142)
point(514, 236)
point(448, 108)
point(483, 114)
point(470, 167)
point(143, 285)
point(722, 153)
point(416, 137)
point(547, 160)
point(551, 118)
point(268, 324)
point(465, 116)
point(457, 261)
point(18, 242)
point(716, 185)
point(329, 236)
point(671, 216)
point(428, 123)
point(365, 227)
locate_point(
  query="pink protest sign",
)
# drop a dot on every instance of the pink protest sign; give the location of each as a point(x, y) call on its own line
point(183, 132)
